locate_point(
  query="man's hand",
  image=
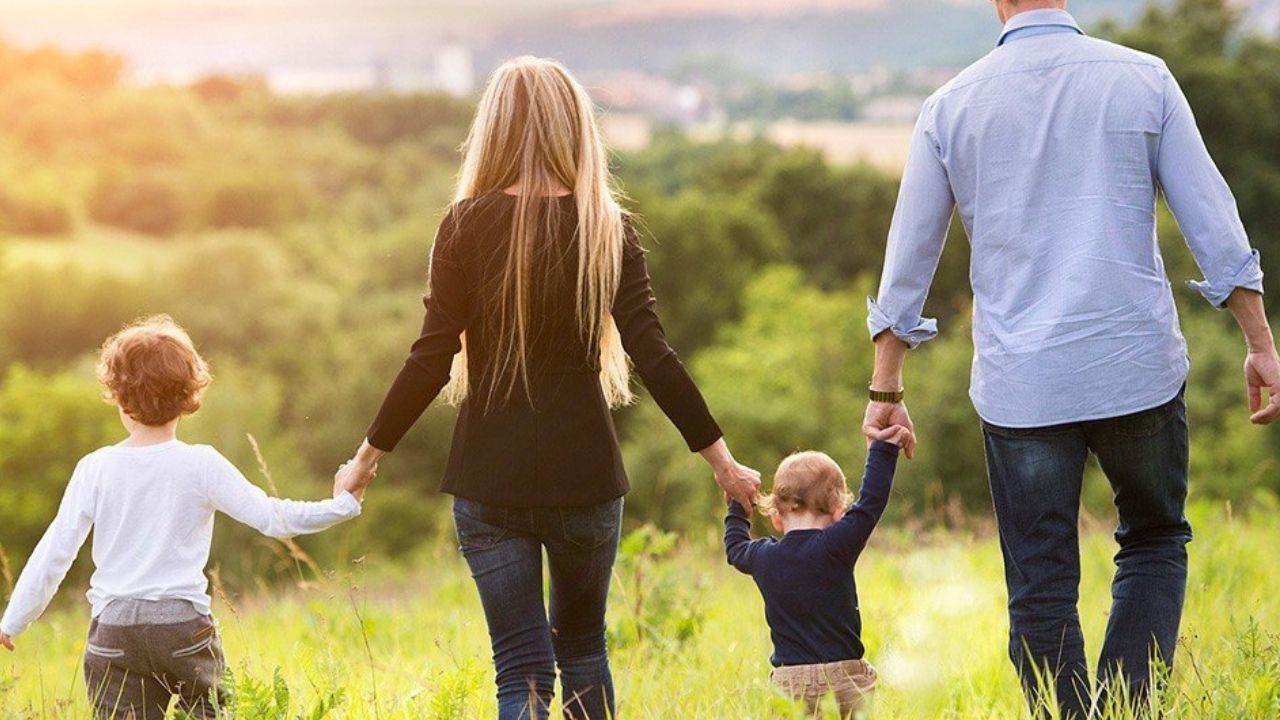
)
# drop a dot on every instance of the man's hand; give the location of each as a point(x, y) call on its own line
point(353, 477)
point(1261, 366)
point(6, 642)
point(1262, 372)
point(898, 435)
point(882, 416)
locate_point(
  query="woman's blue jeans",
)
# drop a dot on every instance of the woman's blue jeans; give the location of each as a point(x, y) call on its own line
point(504, 547)
point(1036, 476)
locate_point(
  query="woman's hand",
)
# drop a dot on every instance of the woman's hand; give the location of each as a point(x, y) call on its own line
point(6, 642)
point(738, 481)
point(353, 479)
point(356, 474)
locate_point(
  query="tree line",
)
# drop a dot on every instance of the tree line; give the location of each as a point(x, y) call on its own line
point(291, 236)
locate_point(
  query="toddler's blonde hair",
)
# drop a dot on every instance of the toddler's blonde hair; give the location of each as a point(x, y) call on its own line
point(808, 481)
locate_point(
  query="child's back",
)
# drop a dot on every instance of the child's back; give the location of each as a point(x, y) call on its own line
point(151, 510)
point(811, 602)
point(806, 576)
point(150, 502)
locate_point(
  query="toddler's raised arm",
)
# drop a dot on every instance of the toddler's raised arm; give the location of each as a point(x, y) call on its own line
point(846, 539)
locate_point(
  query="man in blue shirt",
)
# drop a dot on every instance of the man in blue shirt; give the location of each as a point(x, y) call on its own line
point(1053, 148)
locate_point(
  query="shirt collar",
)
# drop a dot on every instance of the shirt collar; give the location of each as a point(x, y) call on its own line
point(1059, 20)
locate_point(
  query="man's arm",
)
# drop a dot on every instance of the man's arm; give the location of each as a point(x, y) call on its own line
point(916, 240)
point(1203, 204)
point(1261, 364)
point(1206, 212)
point(891, 355)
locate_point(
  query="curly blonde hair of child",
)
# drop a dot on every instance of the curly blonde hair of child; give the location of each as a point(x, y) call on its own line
point(152, 372)
point(808, 481)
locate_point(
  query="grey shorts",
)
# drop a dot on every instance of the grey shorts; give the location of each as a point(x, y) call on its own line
point(152, 653)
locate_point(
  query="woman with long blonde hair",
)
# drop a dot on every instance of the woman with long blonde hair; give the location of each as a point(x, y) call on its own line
point(538, 296)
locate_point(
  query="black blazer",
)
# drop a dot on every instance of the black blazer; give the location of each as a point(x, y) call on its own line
point(554, 445)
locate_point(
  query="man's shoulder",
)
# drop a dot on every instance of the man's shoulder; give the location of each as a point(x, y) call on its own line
point(1087, 49)
point(1105, 50)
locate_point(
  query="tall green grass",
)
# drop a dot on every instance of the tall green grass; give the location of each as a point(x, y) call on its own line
point(689, 637)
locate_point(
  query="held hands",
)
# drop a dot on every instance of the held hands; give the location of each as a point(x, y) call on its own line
point(1262, 371)
point(6, 642)
point(356, 474)
point(898, 435)
point(738, 481)
point(884, 421)
point(353, 477)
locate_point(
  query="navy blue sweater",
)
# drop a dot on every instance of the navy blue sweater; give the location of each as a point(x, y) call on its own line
point(806, 577)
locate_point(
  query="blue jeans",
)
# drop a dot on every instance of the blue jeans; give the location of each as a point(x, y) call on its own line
point(503, 547)
point(1036, 475)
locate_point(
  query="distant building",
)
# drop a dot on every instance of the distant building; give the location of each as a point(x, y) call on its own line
point(656, 97)
point(892, 108)
point(455, 71)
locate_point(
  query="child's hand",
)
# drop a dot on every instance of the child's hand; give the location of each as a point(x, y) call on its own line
point(899, 435)
point(6, 642)
point(353, 478)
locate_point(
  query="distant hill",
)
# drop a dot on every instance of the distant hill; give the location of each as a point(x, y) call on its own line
point(352, 41)
point(830, 35)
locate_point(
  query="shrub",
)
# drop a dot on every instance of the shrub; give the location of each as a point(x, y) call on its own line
point(33, 212)
point(143, 200)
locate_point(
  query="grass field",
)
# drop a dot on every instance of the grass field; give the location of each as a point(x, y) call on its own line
point(688, 635)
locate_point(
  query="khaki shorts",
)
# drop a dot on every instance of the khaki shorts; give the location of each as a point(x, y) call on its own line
point(133, 672)
point(851, 681)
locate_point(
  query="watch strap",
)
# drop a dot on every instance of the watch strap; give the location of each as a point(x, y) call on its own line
point(885, 396)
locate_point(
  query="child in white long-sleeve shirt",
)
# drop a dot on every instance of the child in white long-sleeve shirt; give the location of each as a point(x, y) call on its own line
point(150, 502)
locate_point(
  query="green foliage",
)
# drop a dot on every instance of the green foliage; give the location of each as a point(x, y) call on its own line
point(704, 250)
point(660, 603)
point(290, 234)
point(36, 206)
point(301, 654)
point(143, 200)
point(255, 699)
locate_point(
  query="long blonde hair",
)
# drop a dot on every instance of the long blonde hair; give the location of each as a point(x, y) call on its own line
point(536, 126)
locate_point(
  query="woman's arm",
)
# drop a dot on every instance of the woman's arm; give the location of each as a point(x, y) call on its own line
point(51, 559)
point(635, 310)
point(426, 371)
point(229, 491)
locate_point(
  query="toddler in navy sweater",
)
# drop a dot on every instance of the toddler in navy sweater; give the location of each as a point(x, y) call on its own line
point(806, 576)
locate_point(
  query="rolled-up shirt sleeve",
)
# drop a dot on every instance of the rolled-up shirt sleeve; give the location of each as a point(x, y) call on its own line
point(1203, 204)
point(916, 238)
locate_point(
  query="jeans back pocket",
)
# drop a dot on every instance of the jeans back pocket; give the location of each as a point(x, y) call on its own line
point(479, 526)
point(592, 526)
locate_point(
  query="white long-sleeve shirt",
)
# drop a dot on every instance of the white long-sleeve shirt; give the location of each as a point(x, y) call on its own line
point(151, 511)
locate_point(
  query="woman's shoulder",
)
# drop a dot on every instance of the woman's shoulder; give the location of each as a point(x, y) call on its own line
point(480, 215)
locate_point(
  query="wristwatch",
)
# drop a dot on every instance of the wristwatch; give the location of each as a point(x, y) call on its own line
point(885, 396)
